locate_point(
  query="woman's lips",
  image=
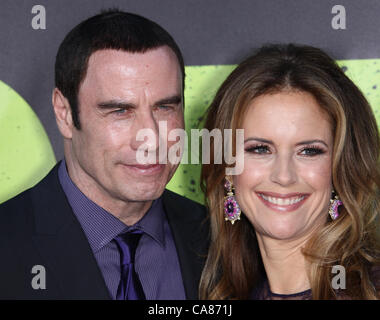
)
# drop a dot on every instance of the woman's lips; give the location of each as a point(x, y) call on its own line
point(283, 202)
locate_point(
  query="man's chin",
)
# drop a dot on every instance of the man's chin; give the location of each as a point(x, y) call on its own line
point(144, 187)
point(144, 195)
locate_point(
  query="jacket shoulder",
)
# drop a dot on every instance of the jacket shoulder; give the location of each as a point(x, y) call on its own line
point(20, 207)
point(185, 205)
point(17, 201)
point(15, 208)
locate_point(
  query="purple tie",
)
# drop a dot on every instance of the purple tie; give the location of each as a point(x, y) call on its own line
point(129, 287)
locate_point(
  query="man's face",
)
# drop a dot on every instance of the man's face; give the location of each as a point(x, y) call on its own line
point(121, 94)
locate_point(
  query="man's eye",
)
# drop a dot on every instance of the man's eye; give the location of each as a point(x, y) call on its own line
point(164, 107)
point(121, 111)
point(259, 149)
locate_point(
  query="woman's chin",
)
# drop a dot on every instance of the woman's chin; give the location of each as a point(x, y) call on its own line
point(281, 232)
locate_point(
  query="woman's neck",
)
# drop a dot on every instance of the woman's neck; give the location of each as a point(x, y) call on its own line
point(285, 265)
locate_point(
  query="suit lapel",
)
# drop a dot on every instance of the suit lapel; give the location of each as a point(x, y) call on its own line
point(63, 245)
point(67, 255)
point(190, 235)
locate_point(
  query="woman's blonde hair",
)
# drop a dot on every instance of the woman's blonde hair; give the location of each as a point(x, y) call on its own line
point(234, 265)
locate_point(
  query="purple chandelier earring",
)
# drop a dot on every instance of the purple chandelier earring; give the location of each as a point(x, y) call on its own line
point(334, 205)
point(231, 207)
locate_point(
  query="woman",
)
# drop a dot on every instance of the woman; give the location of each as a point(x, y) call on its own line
point(309, 190)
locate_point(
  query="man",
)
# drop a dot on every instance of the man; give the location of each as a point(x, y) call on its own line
point(116, 74)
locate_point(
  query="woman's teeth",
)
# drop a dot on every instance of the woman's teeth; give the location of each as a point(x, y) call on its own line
point(282, 201)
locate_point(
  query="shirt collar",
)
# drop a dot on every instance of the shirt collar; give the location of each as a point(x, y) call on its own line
point(99, 225)
point(152, 223)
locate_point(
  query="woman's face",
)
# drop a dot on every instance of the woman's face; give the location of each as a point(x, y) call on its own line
point(286, 184)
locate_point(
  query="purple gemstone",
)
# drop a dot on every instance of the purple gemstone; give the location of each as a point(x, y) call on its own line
point(227, 185)
point(231, 209)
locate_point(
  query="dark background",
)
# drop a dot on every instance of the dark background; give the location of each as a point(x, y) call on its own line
point(209, 32)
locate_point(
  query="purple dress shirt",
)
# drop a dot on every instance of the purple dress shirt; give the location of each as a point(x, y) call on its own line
point(156, 260)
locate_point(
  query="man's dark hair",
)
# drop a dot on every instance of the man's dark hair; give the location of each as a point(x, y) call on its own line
point(111, 29)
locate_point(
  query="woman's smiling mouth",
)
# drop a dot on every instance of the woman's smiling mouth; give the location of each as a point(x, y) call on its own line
point(283, 202)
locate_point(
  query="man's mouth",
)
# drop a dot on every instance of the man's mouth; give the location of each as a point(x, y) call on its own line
point(145, 169)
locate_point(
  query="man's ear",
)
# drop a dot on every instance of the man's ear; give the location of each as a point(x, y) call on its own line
point(63, 114)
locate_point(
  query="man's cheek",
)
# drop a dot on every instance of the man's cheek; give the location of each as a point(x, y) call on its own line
point(176, 120)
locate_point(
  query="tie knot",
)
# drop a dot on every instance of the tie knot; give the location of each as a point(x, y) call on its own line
point(127, 244)
point(129, 287)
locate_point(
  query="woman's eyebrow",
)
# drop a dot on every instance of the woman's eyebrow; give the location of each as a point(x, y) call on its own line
point(258, 139)
point(298, 143)
point(312, 142)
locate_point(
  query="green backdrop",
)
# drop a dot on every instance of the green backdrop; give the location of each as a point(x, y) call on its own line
point(26, 155)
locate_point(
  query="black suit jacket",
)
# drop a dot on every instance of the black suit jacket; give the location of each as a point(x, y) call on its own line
point(38, 227)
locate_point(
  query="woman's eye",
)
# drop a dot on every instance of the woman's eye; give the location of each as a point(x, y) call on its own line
point(260, 149)
point(311, 151)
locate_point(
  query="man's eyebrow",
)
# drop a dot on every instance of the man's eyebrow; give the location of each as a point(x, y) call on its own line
point(176, 99)
point(115, 104)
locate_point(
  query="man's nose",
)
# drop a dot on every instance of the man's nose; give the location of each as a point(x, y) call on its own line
point(147, 133)
point(284, 171)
